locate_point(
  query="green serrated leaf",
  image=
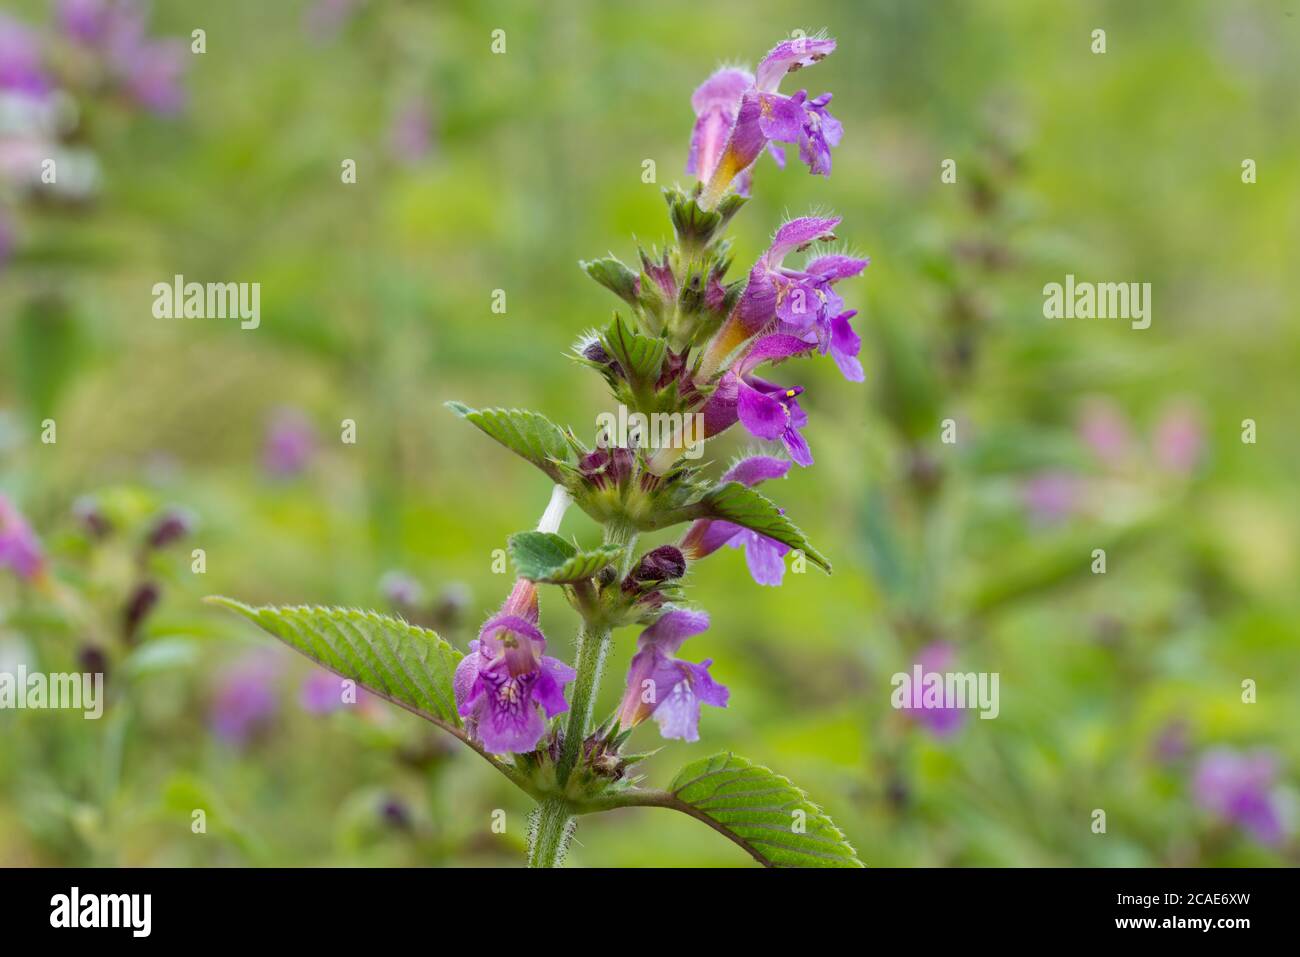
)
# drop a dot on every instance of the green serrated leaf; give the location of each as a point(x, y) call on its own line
point(742, 505)
point(528, 434)
point(546, 557)
point(406, 664)
point(641, 357)
point(762, 812)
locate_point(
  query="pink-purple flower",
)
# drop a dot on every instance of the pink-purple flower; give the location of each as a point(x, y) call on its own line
point(150, 71)
point(1178, 439)
point(22, 69)
point(797, 302)
point(410, 137)
point(664, 687)
point(715, 102)
point(245, 699)
point(1051, 496)
point(290, 443)
point(506, 682)
point(756, 117)
point(766, 410)
point(764, 556)
point(1240, 788)
point(20, 549)
point(944, 719)
point(323, 692)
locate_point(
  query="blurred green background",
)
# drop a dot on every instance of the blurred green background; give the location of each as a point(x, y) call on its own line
point(479, 171)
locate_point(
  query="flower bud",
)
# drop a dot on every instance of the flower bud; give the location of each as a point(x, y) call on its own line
point(89, 515)
point(665, 563)
point(138, 607)
point(171, 527)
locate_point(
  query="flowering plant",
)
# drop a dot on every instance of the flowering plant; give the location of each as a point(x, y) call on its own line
point(691, 352)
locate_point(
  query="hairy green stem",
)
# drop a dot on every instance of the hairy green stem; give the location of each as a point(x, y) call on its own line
point(593, 642)
point(551, 832)
point(552, 826)
point(589, 660)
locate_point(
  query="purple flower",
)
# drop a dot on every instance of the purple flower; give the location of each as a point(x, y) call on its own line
point(245, 699)
point(1239, 787)
point(289, 445)
point(20, 549)
point(6, 241)
point(942, 720)
point(1050, 496)
point(100, 23)
point(21, 69)
point(800, 303)
point(401, 589)
point(321, 692)
point(152, 72)
point(767, 410)
point(324, 18)
point(716, 102)
point(760, 117)
point(1179, 439)
point(149, 71)
point(1172, 742)
point(665, 687)
point(764, 556)
point(1104, 429)
point(410, 138)
point(505, 678)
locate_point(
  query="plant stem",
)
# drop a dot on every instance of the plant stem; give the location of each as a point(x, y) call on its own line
point(553, 821)
point(593, 642)
point(552, 829)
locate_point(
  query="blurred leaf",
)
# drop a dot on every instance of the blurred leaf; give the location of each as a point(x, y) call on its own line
point(1039, 566)
point(47, 341)
point(545, 557)
point(184, 794)
point(161, 654)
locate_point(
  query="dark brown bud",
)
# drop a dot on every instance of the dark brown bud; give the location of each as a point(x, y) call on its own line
point(138, 607)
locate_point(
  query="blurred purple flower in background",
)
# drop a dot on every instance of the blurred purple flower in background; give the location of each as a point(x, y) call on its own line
point(98, 23)
point(153, 72)
point(322, 692)
point(1105, 430)
point(289, 445)
point(1173, 742)
point(401, 589)
point(943, 720)
point(20, 549)
point(1050, 496)
point(1178, 439)
point(410, 138)
point(1238, 786)
point(21, 68)
point(244, 699)
point(150, 71)
point(6, 240)
point(323, 19)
